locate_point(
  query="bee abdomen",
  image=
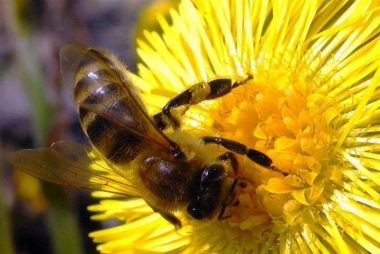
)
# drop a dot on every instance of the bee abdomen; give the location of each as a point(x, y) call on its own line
point(102, 89)
point(116, 144)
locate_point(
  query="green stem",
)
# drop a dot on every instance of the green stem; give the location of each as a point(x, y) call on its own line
point(63, 224)
point(28, 69)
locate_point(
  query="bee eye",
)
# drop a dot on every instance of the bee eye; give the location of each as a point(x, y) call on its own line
point(213, 172)
point(206, 192)
point(196, 212)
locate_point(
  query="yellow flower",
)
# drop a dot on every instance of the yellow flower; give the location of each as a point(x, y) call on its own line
point(313, 106)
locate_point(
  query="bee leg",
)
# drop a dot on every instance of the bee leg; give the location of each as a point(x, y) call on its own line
point(256, 156)
point(159, 121)
point(170, 218)
point(195, 94)
point(222, 215)
point(229, 156)
point(237, 182)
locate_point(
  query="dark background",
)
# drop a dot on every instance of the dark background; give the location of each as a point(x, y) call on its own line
point(36, 110)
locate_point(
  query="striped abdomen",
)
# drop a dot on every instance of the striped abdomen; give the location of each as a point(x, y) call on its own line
point(103, 102)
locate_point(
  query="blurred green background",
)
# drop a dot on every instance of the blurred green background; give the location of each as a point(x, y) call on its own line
point(36, 110)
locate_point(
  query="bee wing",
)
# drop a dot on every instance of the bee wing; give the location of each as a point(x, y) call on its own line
point(70, 57)
point(135, 119)
point(73, 165)
point(150, 133)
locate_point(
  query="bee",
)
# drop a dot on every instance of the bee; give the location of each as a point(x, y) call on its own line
point(143, 158)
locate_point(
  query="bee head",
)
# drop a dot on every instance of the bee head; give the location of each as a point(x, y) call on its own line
point(206, 191)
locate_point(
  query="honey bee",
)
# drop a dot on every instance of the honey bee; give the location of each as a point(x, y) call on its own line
point(164, 168)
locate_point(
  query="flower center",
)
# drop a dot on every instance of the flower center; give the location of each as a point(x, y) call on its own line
point(283, 115)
